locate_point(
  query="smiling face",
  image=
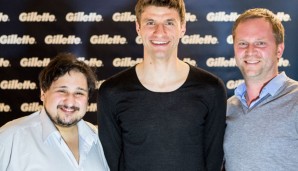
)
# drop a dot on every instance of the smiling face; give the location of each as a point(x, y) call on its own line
point(256, 51)
point(160, 29)
point(66, 100)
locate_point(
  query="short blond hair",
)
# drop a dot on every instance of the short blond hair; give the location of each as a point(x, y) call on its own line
point(277, 27)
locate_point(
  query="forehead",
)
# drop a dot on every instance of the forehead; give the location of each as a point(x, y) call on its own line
point(72, 79)
point(151, 12)
point(254, 23)
point(254, 27)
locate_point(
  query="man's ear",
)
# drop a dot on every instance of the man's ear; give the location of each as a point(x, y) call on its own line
point(183, 29)
point(41, 95)
point(280, 50)
point(137, 27)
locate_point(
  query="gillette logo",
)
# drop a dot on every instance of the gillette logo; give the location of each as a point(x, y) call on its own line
point(92, 62)
point(232, 84)
point(221, 62)
point(190, 61)
point(222, 16)
point(3, 17)
point(82, 17)
point(126, 62)
point(60, 39)
point(31, 107)
point(17, 85)
point(123, 17)
point(15, 39)
point(198, 39)
point(282, 62)
point(190, 17)
point(230, 39)
point(139, 40)
point(106, 39)
point(92, 107)
point(35, 17)
point(283, 16)
point(4, 62)
point(4, 107)
point(34, 62)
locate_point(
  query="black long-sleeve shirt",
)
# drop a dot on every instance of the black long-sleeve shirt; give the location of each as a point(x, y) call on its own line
point(181, 130)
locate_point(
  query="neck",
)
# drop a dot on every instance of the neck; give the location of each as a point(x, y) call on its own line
point(70, 136)
point(254, 88)
point(162, 77)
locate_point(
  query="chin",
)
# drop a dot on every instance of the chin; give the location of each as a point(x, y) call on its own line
point(71, 122)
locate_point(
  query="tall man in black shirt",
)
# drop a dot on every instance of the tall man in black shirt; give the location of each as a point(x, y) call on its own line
point(162, 114)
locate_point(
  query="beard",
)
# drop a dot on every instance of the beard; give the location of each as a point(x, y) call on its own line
point(57, 120)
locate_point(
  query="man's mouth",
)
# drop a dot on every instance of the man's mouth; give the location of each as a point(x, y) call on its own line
point(160, 42)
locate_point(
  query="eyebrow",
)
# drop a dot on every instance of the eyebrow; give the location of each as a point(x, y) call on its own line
point(78, 88)
point(150, 19)
point(83, 89)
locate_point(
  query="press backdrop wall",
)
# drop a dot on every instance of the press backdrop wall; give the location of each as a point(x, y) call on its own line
point(102, 33)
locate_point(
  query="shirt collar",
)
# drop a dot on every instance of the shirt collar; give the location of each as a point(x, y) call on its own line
point(87, 133)
point(271, 88)
point(48, 129)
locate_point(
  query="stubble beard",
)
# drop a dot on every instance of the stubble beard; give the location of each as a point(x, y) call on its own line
point(57, 120)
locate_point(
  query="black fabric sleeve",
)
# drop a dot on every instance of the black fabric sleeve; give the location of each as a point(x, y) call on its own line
point(109, 130)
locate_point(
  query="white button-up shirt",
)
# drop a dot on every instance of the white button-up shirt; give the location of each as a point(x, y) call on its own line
point(32, 143)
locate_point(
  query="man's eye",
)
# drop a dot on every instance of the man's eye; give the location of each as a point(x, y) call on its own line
point(170, 23)
point(150, 23)
point(260, 43)
point(61, 91)
point(80, 94)
point(242, 44)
